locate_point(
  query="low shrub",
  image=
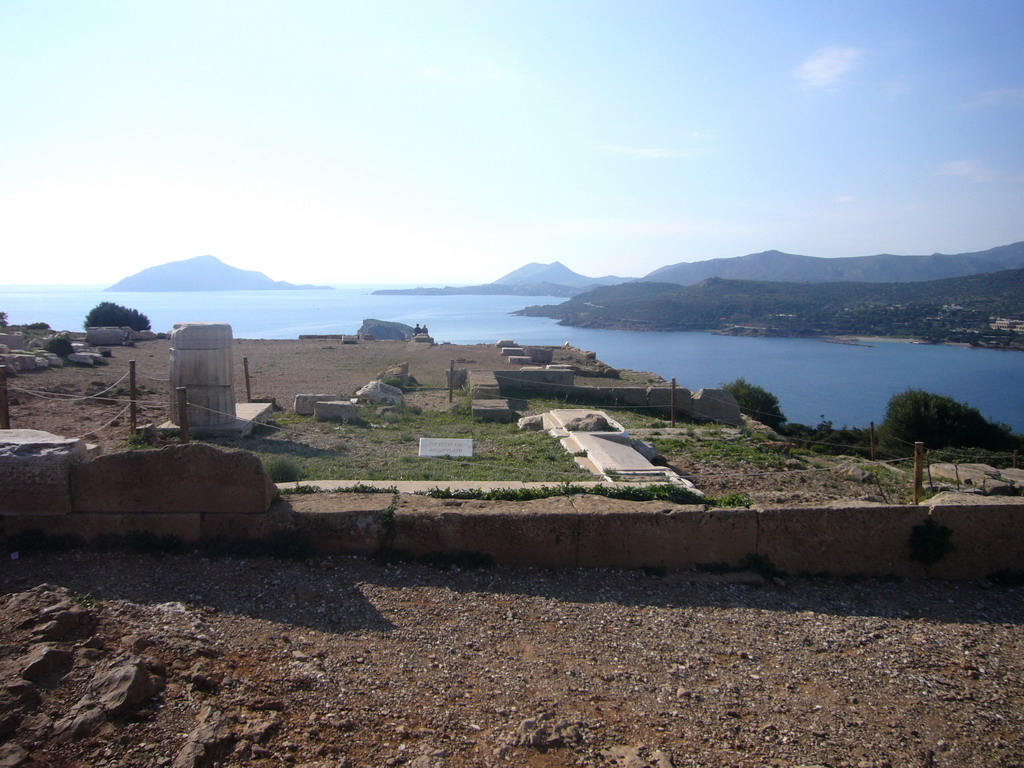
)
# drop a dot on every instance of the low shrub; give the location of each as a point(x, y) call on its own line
point(282, 470)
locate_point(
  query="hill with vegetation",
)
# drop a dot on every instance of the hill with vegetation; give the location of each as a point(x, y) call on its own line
point(881, 268)
point(203, 273)
point(953, 309)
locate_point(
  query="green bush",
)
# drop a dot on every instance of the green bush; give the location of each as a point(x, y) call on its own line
point(110, 315)
point(282, 470)
point(757, 403)
point(940, 422)
point(59, 345)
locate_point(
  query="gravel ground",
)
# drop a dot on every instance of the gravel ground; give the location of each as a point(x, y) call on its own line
point(189, 661)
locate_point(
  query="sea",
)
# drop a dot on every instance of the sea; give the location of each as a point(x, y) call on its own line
point(815, 381)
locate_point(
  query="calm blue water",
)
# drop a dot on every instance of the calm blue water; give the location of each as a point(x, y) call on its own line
point(813, 380)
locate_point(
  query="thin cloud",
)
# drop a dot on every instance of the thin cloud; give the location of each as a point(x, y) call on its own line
point(652, 153)
point(968, 170)
point(828, 67)
point(1013, 97)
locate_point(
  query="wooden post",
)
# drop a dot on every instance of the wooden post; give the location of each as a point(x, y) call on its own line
point(871, 440)
point(5, 413)
point(672, 403)
point(1016, 455)
point(451, 381)
point(133, 412)
point(918, 472)
point(248, 388)
point(182, 414)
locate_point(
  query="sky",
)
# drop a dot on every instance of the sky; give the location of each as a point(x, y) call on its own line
point(437, 142)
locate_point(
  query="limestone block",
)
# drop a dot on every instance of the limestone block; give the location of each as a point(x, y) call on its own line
point(24, 362)
point(84, 358)
point(201, 336)
point(200, 361)
point(54, 361)
point(456, 378)
point(178, 478)
point(380, 393)
point(106, 335)
point(716, 405)
point(35, 470)
point(493, 410)
point(541, 532)
point(4, 349)
point(304, 403)
point(509, 351)
point(336, 410)
point(13, 340)
point(850, 541)
point(506, 343)
point(662, 534)
point(423, 338)
point(539, 355)
point(519, 360)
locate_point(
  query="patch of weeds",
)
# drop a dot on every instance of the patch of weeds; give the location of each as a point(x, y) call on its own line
point(731, 500)
point(300, 489)
point(282, 470)
point(87, 601)
point(930, 542)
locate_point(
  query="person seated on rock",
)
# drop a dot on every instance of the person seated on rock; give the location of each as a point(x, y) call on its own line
point(424, 331)
point(416, 331)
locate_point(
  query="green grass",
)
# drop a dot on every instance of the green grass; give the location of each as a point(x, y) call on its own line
point(732, 452)
point(376, 451)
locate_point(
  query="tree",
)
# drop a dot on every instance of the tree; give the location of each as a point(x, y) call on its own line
point(110, 315)
point(939, 421)
point(757, 403)
point(3, 319)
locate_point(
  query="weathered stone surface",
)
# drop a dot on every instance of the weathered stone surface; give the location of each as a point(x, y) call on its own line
point(24, 362)
point(107, 335)
point(42, 660)
point(505, 343)
point(200, 361)
point(380, 393)
point(211, 740)
point(456, 378)
point(493, 410)
point(399, 372)
point(510, 351)
point(178, 478)
point(716, 405)
point(520, 360)
point(336, 410)
point(533, 423)
point(539, 355)
point(13, 340)
point(304, 403)
point(591, 422)
point(86, 358)
point(125, 685)
point(35, 470)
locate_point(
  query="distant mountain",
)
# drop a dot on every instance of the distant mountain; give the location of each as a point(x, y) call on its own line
point(534, 279)
point(776, 266)
point(203, 273)
point(489, 289)
point(556, 273)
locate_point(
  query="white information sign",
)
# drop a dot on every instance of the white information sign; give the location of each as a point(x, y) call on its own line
point(437, 446)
